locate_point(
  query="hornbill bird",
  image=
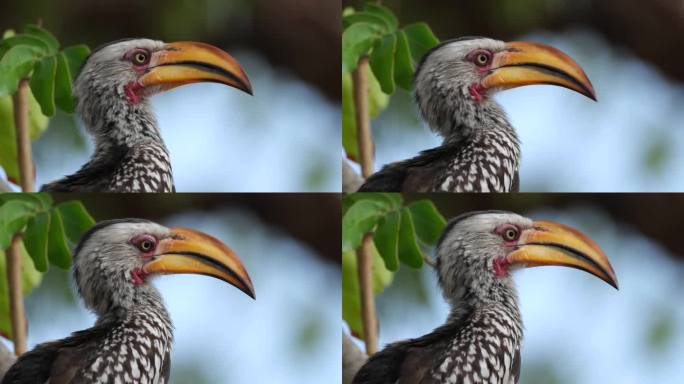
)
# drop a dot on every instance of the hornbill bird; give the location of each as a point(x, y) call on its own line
point(112, 90)
point(480, 341)
point(453, 85)
point(131, 340)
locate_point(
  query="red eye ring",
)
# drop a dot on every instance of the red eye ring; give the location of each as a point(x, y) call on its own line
point(145, 243)
point(480, 57)
point(139, 56)
point(509, 233)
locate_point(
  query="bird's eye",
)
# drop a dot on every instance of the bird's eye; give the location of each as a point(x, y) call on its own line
point(140, 57)
point(482, 59)
point(510, 234)
point(145, 243)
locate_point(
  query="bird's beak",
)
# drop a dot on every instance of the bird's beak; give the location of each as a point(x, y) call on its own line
point(190, 251)
point(549, 243)
point(523, 63)
point(186, 62)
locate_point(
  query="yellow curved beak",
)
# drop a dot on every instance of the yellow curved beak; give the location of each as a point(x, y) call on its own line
point(549, 243)
point(186, 62)
point(190, 251)
point(523, 63)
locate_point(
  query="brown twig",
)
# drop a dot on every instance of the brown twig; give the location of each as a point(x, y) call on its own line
point(20, 101)
point(368, 315)
point(364, 136)
point(16, 300)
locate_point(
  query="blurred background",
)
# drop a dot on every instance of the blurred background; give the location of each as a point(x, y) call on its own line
point(289, 334)
point(631, 50)
point(578, 329)
point(220, 139)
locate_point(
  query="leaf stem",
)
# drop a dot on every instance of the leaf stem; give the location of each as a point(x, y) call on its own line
point(364, 136)
point(20, 101)
point(368, 315)
point(17, 313)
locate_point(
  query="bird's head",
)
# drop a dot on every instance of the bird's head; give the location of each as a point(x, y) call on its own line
point(136, 68)
point(117, 257)
point(479, 250)
point(460, 75)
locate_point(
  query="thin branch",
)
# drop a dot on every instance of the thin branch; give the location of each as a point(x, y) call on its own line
point(18, 318)
point(364, 136)
point(20, 101)
point(368, 315)
point(352, 359)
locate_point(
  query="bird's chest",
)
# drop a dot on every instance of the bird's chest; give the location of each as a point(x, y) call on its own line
point(143, 171)
point(481, 355)
point(132, 355)
point(479, 168)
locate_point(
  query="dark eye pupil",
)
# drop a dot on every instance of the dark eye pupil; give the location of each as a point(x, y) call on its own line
point(510, 234)
point(482, 59)
point(146, 245)
point(140, 57)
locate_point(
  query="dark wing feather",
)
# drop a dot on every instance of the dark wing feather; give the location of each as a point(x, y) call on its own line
point(94, 176)
point(407, 362)
point(422, 173)
point(58, 360)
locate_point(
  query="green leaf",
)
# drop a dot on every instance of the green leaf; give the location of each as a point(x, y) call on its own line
point(23, 39)
point(30, 278)
point(409, 252)
point(76, 219)
point(43, 34)
point(403, 66)
point(38, 201)
point(15, 65)
point(43, 84)
point(387, 239)
point(13, 217)
point(36, 240)
point(420, 39)
point(357, 41)
point(351, 297)
point(391, 200)
point(75, 56)
point(63, 93)
point(360, 219)
point(384, 13)
point(429, 223)
point(382, 62)
point(377, 102)
point(58, 250)
point(364, 17)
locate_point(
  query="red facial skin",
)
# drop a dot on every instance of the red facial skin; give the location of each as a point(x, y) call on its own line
point(134, 90)
point(476, 90)
point(501, 264)
point(138, 275)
